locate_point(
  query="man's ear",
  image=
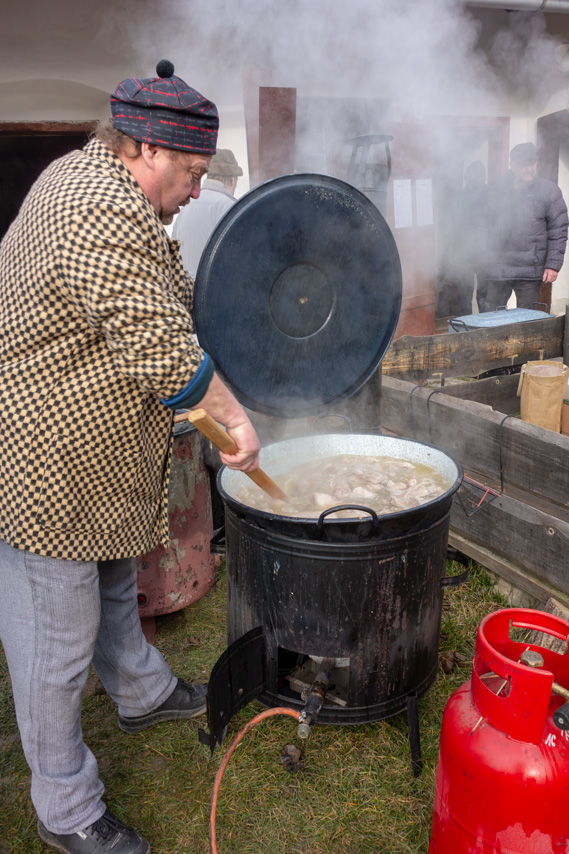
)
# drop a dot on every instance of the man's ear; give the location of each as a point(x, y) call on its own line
point(148, 152)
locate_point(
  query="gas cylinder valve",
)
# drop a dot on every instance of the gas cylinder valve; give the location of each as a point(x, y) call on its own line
point(560, 717)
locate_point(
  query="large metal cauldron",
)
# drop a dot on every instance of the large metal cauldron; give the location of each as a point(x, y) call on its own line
point(297, 298)
point(367, 592)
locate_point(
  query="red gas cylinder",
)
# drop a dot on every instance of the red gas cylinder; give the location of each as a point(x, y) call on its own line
point(170, 579)
point(502, 782)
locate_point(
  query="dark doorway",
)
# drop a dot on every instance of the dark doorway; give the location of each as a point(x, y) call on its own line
point(25, 150)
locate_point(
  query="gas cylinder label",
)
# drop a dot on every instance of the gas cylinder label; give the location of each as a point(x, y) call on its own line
point(558, 740)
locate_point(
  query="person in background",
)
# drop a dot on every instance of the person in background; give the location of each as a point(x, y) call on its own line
point(96, 353)
point(526, 233)
point(194, 224)
point(193, 227)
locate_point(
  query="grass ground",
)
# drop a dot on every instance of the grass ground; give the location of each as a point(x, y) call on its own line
point(355, 793)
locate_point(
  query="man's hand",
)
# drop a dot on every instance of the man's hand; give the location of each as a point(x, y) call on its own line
point(224, 407)
point(549, 276)
point(247, 456)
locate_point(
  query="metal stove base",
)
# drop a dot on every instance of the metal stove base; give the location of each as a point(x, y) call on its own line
point(239, 677)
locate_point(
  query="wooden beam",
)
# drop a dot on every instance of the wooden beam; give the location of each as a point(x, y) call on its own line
point(526, 457)
point(498, 392)
point(551, 132)
point(252, 80)
point(518, 577)
point(472, 353)
point(544, 297)
point(534, 543)
point(277, 131)
point(60, 128)
point(566, 338)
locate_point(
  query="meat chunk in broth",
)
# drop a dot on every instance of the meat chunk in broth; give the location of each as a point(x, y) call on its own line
point(384, 484)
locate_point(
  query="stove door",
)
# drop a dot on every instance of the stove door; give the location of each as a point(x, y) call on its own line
point(237, 678)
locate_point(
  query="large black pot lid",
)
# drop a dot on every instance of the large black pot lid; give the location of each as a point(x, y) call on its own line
point(298, 294)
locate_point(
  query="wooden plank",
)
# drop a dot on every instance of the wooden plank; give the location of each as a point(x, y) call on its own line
point(472, 353)
point(566, 338)
point(534, 542)
point(277, 131)
point(560, 511)
point(61, 128)
point(558, 609)
point(530, 458)
point(498, 392)
point(520, 578)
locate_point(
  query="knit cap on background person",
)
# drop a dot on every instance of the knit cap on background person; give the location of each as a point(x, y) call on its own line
point(525, 152)
point(224, 165)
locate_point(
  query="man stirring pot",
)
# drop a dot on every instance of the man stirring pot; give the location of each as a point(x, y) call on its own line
point(96, 352)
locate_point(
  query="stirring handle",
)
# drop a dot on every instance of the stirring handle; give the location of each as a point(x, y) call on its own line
point(218, 436)
point(212, 431)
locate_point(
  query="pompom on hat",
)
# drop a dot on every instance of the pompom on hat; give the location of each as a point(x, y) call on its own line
point(165, 111)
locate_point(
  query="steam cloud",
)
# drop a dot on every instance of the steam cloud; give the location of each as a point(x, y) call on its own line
point(424, 54)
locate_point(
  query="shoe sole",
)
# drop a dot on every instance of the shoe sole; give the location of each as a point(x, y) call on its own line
point(159, 718)
point(46, 836)
point(50, 840)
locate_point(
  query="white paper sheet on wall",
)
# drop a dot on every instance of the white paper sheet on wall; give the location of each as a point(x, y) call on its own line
point(424, 201)
point(402, 203)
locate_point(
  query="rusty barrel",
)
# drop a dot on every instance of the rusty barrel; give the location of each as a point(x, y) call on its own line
point(170, 579)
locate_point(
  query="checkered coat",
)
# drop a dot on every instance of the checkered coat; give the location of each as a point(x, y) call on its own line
point(94, 329)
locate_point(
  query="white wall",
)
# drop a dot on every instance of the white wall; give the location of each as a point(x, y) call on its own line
point(59, 60)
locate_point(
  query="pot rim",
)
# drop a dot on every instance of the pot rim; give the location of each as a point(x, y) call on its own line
point(349, 520)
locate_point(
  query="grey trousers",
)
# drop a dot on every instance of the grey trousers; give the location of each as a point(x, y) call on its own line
point(494, 294)
point(56, 618)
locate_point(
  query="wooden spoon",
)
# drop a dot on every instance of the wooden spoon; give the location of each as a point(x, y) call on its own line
point(218, 436)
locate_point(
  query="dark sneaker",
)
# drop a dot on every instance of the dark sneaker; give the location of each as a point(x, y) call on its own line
point(185, 701)
point(107, 835)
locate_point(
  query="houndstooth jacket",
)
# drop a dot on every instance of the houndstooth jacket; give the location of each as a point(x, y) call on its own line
point(95, 328)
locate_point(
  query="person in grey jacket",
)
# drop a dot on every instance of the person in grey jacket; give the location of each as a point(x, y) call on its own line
point(196, 221)
point(527, 234)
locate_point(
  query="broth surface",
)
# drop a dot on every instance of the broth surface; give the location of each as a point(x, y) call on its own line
point(384, 484)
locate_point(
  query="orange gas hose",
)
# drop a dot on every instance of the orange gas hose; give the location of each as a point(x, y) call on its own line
point(269, 713)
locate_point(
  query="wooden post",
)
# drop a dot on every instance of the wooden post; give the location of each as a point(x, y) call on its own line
point(252, 80)
point(277, 131)
point(566, 338)
point(544, 297)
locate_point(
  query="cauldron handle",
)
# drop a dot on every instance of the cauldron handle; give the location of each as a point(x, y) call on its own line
point(456, 580)
point(325, 513)
point(316, 418)
point(217, 544)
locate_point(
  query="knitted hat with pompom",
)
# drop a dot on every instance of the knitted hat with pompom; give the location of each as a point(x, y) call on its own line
point(165, 111)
